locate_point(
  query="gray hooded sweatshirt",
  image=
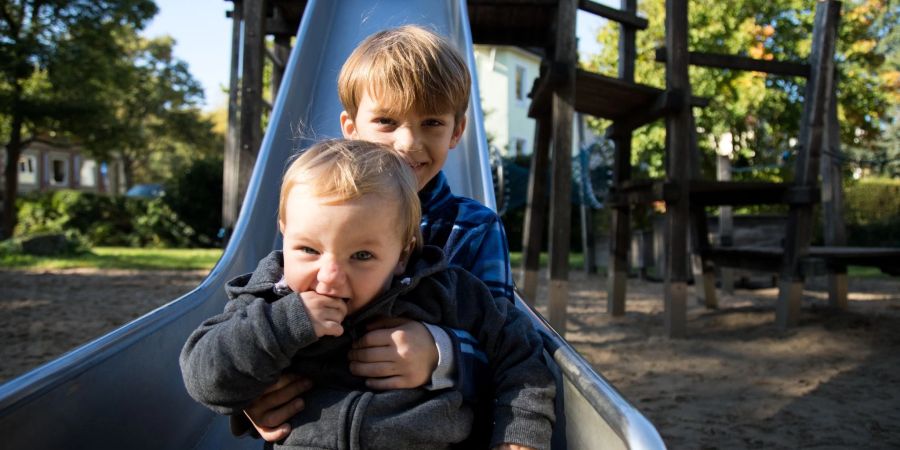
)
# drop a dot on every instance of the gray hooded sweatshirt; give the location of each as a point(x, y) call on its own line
point(233, 357)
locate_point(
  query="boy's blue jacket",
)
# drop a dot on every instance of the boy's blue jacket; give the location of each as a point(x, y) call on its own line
point(233, 357)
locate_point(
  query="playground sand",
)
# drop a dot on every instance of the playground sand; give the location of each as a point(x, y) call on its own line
point(736, 381)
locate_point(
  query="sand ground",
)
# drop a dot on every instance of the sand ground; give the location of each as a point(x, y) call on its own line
point(736, 381)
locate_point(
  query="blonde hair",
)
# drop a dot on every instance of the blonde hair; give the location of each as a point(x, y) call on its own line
point(409, 69)
point(343, 170)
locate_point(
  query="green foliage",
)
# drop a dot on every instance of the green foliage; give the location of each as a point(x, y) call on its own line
point(872, 212)
point(104, 220)
point(55, 59)
point(196, 196)
point(762, 112)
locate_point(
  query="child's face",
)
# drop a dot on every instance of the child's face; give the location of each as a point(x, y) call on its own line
point(423, 140)
point(348, 250)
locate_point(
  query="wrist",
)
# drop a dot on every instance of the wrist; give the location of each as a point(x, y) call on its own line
point(442, 373)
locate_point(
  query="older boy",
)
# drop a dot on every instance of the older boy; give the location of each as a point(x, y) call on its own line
point(408, 88)
point(350, 217)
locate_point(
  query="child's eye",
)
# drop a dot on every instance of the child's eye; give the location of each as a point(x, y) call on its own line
point(363, 255)
point(384, 121)
point(432, 123)
point(309, 250)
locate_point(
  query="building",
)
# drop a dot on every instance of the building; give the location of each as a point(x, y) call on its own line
point(505, 75)
point(47, 165)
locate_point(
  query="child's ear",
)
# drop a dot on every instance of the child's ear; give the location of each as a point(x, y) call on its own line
point(404, 258)
point(458, 132)
point(348, 127)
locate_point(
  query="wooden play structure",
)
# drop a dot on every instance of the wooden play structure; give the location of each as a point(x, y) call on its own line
point(548, 26)
point(562, 89)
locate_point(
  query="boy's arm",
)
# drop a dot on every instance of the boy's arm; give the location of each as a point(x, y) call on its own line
point(232, 358)
point(524, 387)
point(485, 254)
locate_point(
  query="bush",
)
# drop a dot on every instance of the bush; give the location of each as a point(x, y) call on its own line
point(196, 196)
point(872, 212)
point(103, 220)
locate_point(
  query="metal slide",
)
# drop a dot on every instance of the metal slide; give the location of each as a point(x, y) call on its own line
point(124, 390)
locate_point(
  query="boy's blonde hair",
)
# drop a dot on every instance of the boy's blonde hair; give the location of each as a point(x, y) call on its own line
point(342, 170)
point(409, 69)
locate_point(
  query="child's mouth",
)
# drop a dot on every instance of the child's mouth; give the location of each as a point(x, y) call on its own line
point(416, 165)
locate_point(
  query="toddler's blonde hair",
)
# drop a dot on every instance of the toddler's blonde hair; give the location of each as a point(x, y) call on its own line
point(340, 170)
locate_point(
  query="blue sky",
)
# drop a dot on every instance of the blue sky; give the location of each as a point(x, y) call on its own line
point(203, 39)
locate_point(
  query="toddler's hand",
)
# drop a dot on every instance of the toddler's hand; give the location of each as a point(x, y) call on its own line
point(326, 313)
point(395, 353)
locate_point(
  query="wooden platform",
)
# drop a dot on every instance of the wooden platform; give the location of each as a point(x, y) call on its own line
point(769, 258)
point(714, 193)
point(609, 98)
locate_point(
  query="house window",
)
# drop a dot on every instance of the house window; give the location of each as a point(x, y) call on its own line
point(520, 145)
point(58, 172)
point(89, 173)
point(27, 170)
point(520, 83)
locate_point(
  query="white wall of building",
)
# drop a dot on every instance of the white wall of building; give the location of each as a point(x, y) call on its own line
point(506, 75)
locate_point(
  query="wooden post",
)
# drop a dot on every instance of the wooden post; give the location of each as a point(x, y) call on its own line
point(230, 171)
point(835, 232)
point(566, 58)
point(533, 231)
point(726, 223)
point(251, 91)
point(705, 272)
point(678, 138)
point(799, 229)
point(280, 54)
point(619, 230)
point(586, 210)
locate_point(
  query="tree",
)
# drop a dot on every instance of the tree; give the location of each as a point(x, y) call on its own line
point(53, 56)
point(762, 112)
point(152, 119)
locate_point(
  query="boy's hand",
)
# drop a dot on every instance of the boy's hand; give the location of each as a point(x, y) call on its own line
point(281, 401)
point(326, 313)
point(396, 353)
point(512, 447)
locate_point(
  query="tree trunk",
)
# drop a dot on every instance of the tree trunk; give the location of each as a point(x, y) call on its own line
point(127, 170)
point(11, 173)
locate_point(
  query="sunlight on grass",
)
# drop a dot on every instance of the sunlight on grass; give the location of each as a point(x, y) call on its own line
point(121, 258)
point(576, 260)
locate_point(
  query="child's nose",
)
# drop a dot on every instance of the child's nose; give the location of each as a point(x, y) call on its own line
point(330, 274)
point(405, 140)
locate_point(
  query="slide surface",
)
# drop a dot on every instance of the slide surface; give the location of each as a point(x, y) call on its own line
point(124, 390)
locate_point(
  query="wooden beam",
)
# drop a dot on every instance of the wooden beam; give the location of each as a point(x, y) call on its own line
point(678, 138)
point(734, 62)
point(626, 18)
point(726, 223)
point(834, 229)
point(819, 89)
point(535, 219)
point(665, 102)
point(251, 90)
point(279, 55)
point(231, 166)
point(620, 219)
point(565, 55)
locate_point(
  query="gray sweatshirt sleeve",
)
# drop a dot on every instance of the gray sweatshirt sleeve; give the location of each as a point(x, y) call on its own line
point(524, 386)
point(233, 357)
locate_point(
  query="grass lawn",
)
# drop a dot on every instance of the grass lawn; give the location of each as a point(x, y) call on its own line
point(121, 258)
point(576, 260)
